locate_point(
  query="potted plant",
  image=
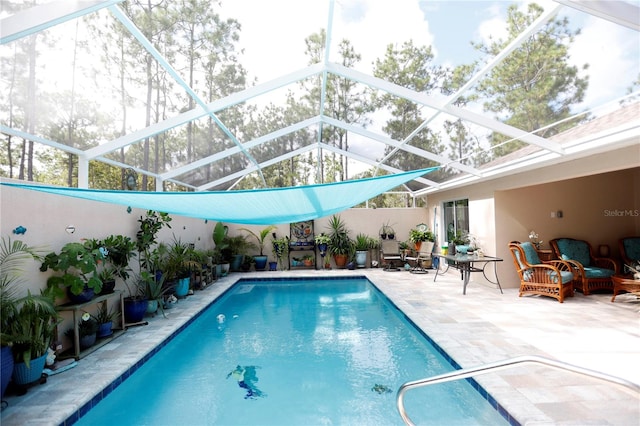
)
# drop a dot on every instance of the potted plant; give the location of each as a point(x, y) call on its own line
point(221, 245)
point(458, 242)
point(78, 265)
point(239, 247)
point(281, 251)
point(322, 242)
point(307, 260)
point(118, 251)
point(340, 244)
point(421, 235)
point(87, 331)
point(14, 256)
point(104, 318)
point(150, 256)
point(155, 288)
point(178, 265)
point(387, 231)
point(33, 326)
point(260, 260)
point(374, 251)
point(108, 277)
point(362, 244)
point(135, 303)
point(247, 261)
point(147, 238)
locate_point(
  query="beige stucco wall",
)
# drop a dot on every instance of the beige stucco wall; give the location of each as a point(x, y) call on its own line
point(46, 216)
point(501, 210)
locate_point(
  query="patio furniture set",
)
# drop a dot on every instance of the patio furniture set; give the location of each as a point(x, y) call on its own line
point(574, 267)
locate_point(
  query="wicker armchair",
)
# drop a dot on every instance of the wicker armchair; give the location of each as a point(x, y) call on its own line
point(596, 272)
point(554, 278)
point(629, 250)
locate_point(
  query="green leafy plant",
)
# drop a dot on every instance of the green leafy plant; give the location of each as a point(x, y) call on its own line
point(104, 315)
point(281, 250)
point(78, 263)
point(416, 235)
point(32, 327)
point(180, 260)
point(147, 237)
point(362, 242)
point(221, 242)
point(238, 244)
point(87, 326)
point(118, 251)
point(14, 256)
point(339, 241)
point(261, 237)
point(460, 237)
point(322, 238)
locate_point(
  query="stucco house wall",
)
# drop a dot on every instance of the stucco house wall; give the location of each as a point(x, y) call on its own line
point(599, 197)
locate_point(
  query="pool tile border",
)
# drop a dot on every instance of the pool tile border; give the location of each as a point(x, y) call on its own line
point(84, 409)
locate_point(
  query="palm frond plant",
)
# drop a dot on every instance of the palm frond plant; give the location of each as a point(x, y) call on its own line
point(33, 327)
point(260, 261)
point(221, 244)
point(27, 323)
point(340, 245)
point(14, 256)
point(260, 237)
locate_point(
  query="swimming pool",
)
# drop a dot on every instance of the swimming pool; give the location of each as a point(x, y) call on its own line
point(294, 351)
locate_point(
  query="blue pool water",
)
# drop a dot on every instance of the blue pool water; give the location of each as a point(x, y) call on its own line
point(293, 352)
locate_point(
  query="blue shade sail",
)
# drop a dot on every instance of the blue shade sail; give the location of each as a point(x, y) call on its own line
point(257, 207)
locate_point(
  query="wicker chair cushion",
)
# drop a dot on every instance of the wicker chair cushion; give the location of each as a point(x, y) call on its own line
point(575, 250)
point(593, 272)
point(530, 253)
point(632, 248)
point(567, 276)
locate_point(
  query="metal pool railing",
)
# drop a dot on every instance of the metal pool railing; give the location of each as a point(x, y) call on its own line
point(503, 365)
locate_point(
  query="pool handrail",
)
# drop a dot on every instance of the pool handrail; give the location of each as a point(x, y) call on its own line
point(502, 365)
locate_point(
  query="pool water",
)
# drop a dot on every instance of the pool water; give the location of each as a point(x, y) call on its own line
point(293, 352)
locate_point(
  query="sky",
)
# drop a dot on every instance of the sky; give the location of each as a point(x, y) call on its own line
point(273, 38)
point(273, 35)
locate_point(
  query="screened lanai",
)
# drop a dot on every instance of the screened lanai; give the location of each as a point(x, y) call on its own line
point(204, 95)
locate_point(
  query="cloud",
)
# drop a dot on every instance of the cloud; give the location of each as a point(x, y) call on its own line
point(379, 26)
point(612, 53)
point(273, 32)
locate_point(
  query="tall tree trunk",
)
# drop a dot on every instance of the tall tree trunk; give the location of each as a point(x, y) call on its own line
point(27, 153)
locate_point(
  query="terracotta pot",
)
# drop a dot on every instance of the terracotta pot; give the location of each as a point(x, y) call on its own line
point(340, 259)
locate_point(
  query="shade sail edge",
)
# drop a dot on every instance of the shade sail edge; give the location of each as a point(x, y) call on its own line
point(255, 207)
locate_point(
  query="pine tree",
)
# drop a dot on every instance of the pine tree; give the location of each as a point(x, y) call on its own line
point(535, 85)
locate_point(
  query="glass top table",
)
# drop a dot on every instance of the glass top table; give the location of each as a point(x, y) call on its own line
point(468, 263)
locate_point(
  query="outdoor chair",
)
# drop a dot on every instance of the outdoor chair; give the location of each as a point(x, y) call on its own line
point(390, 253)
point(554, 278)
point(595, 272)
point(419, 262)
point(629, 251)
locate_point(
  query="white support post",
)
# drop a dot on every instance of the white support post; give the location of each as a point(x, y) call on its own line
point(83, 172)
